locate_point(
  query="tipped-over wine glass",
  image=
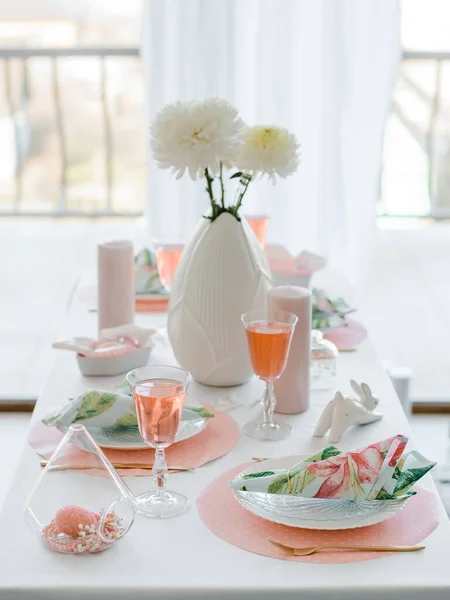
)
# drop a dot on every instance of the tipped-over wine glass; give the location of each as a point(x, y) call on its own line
point(269, 335)
point(159, 393)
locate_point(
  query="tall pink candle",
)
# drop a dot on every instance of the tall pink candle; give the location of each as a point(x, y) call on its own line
point(292, 388)
point(116, 289)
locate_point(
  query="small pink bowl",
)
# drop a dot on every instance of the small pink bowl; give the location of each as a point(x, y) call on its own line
point(347, 337)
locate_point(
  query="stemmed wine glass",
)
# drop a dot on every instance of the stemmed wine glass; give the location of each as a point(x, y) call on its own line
point(167, 258)
point(259, 224)
point(159, 393)
point(269, 335)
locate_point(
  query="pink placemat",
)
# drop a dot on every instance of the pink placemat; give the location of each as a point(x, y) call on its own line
point(348, 336)
point(221, 435)
point(226, 518)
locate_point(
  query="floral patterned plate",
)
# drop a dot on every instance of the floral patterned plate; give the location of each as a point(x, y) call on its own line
point(129, 438)
point(313, 513)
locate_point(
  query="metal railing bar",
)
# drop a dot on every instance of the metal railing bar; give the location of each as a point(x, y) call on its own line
point(415, 87)
point(415, 131)
point(17, 144)
point(24, 110)
point(391, 215)
point(425, 55)
point(73, 214)
point(61, 137)
point(107, 134)
point(131, 51)
point(432, 128)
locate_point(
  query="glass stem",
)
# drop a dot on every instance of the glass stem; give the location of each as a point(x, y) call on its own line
point(160, 471)
point(268, 404)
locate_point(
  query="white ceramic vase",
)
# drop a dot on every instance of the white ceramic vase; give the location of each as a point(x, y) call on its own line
point(222, 274)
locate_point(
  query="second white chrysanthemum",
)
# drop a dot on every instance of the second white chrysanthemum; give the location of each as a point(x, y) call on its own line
point(195, 136)
point(272, 151)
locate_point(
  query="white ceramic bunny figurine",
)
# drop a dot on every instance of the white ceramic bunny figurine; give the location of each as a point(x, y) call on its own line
point(344, 411)
point(365, 394)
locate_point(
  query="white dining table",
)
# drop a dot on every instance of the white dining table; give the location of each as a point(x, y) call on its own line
point(181, 558)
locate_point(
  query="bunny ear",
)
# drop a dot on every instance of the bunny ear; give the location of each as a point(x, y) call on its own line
point(366, 390)
point(356, 388)
point(339, 397)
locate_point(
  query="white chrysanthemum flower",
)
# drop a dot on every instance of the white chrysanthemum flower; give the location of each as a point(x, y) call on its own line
point(269, 151)
point(194, 136)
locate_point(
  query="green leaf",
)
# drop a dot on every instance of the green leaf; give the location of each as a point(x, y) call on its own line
point(260, 474)
point(202, 411)
point(238, 174)
point(151, 281)
point(328, 452)
point(129, 420)
point(280, 484)
point(50, 420)
point(94, 403)
point(407, 478)
point(383, 495)
point(148, 258)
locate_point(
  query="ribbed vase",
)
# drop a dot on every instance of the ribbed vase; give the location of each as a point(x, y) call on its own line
point(222, 274)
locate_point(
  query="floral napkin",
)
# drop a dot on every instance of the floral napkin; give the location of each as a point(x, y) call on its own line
point(328, 313)
point(377, 472)
point(146, 274)
point(114, 341)
point(99, 408)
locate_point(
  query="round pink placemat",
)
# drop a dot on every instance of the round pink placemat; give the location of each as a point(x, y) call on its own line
point(221, 435)
point(348, 336)
point(226, 518)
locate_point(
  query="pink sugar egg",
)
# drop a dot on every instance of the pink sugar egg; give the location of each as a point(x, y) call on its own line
point(68, 519)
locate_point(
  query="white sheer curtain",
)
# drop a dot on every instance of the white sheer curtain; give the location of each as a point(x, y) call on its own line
point(323, 69)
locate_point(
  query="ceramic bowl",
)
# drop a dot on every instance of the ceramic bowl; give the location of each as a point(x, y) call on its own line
point(113, 365)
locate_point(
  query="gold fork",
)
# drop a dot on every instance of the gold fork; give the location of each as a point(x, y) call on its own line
point(314, 549)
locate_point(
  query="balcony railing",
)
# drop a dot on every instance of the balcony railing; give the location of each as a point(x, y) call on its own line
point(51, 138)
point(422, 105)
point(63, 156)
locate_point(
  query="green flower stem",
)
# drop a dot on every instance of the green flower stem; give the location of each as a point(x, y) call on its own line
point(209, 189)
point(218, 209)
point(222, 188)
point(245, 182)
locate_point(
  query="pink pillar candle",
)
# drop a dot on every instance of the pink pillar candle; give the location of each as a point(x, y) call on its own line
point(292, 388)
point(116, 289)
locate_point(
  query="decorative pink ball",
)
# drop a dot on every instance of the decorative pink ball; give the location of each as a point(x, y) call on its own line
point(68, 519)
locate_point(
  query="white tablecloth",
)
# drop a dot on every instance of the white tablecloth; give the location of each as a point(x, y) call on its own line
point(181, 558)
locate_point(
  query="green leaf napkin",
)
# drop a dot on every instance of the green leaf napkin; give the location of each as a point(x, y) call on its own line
point(99, 408)
point(328, 313)
point(147, 279)
point(377, 472)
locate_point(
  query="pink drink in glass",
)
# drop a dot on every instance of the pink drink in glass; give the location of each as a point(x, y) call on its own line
point(167, 259)
point(159, 392)
point(269, 338)
point(268, 344)
point(159, 404)
point(259, 224)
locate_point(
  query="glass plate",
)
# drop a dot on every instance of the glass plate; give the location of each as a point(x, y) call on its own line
point(313, 513)
point(129, 438)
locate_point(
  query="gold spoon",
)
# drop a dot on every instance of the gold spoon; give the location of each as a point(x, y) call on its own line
point(314, 549)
